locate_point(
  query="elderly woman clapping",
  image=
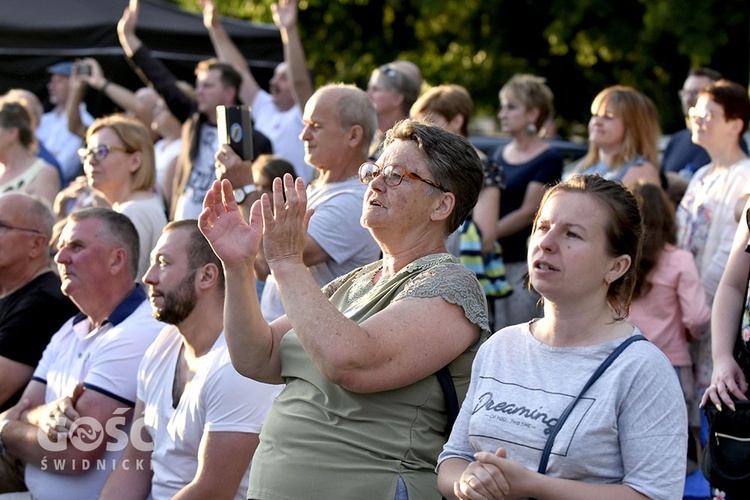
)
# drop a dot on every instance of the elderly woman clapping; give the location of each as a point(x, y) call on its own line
point(362, 414)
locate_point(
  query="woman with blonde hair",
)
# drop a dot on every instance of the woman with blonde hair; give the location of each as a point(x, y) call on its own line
point(20, 169)
point(530, 164)
point(119, 163)
point(623, 137)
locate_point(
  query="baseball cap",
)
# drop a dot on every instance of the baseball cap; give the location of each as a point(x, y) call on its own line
point(64, 68)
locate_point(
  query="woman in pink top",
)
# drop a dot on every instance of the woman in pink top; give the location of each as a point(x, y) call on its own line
point(669, 305)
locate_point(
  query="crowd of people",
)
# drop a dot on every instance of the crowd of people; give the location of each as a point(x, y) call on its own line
point(368, 306)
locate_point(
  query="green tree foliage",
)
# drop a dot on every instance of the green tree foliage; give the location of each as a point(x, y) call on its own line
point(580, 46)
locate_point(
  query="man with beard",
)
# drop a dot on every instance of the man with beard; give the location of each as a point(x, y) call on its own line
point(76, 408)
point(202, 418)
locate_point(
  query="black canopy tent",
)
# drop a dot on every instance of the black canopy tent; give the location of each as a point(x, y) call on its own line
point(35, 34)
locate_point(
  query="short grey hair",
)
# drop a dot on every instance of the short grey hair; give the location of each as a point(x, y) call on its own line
point(452, 161)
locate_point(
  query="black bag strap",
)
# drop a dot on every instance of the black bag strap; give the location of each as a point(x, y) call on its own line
point(560, 421)
point(451, 398)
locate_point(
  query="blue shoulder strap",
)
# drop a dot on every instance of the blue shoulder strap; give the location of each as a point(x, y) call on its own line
point(560, 421)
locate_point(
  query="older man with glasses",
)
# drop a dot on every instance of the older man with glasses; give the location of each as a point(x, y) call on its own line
point(339, 122)
point(32, 307)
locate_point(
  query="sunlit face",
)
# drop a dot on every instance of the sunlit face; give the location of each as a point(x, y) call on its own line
point(211, 92)
point(606, 128)
point(18, 233)
point(322, 134)
point(163, 118)
point(383, 98)
point(281, 90)
point(513, 115)
point(567, 254)
point(709, 125)
point(690, 89)
point(406, 205)
point(57, 88)
point(110, 173)
point(170, 281)
point(83, 258)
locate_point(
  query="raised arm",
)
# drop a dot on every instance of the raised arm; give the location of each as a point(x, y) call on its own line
point(253, 343)
point(123, 97)
point(126, 29)
point(727, 380)
point(285, 17)
point(151, 70)
point(228, 52)
point(73, 104)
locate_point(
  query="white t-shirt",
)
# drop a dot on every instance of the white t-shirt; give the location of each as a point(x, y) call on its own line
point(336, 227)
point(629, 428)
point(164, 153)
point(283, 129)
point(106, 360)
point(706, 222)
point(202, 175)
point(217, 399)
point(61, 142)
point(149, 217)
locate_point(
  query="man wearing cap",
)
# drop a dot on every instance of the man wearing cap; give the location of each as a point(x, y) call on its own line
point(53, 127)
point(392, 88)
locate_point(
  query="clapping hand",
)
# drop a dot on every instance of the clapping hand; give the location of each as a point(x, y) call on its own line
point(285, 227)
point(234, 241)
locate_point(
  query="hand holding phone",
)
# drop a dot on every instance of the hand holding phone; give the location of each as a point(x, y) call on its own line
point(235, 127)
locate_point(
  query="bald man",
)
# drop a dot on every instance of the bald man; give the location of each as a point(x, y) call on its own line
point(32, 307)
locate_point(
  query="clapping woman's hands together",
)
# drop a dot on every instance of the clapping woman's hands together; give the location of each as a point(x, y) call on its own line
point(281, 226)
point(233, 240)
point(285, 227)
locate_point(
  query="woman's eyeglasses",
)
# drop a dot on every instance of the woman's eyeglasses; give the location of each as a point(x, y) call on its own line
point(98, 152)
point(705, 115)
point(392, 175)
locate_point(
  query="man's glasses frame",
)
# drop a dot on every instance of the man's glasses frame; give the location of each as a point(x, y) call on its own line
point(4, 226)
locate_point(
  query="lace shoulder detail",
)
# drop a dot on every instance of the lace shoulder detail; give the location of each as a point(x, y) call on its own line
point(444, 276)
point(361, 276)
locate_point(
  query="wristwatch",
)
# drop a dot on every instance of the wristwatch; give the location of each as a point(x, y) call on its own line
point(3, 423)
point(241, 193)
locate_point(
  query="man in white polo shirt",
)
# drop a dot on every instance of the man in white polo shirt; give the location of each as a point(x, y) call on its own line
point(88, 371)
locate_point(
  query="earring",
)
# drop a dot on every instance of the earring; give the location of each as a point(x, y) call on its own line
point(531, 129)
